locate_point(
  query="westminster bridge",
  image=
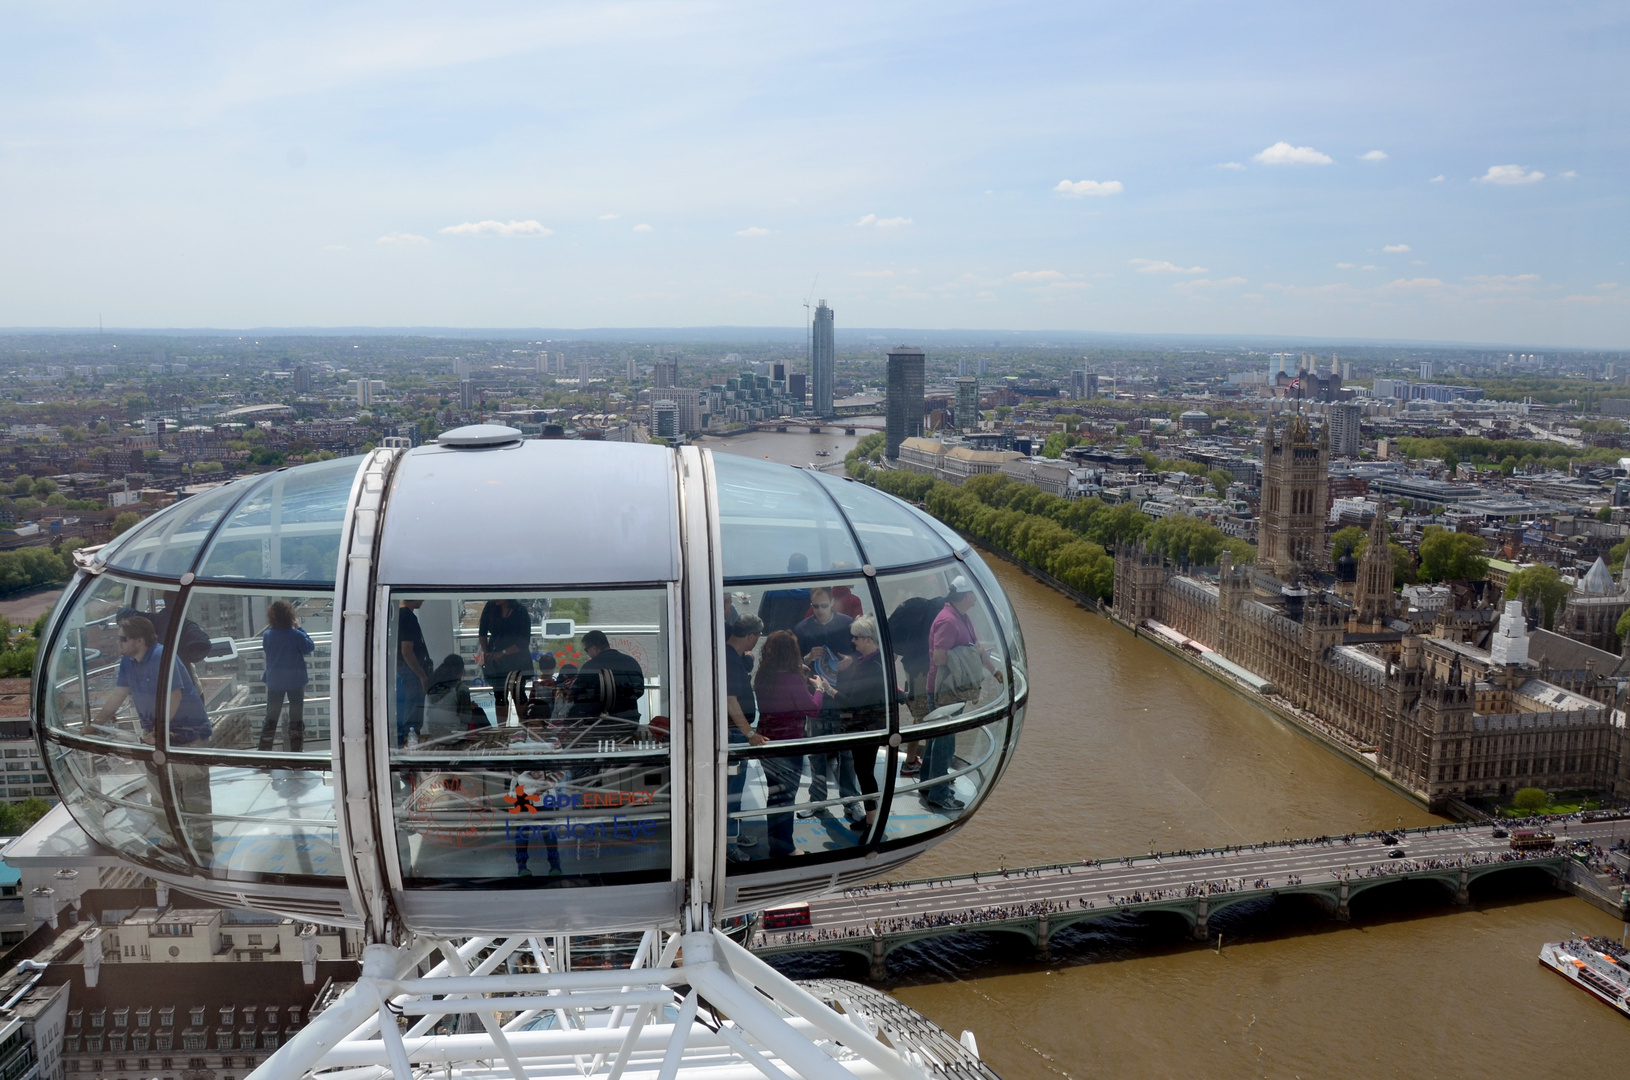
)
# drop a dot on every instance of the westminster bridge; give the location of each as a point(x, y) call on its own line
point(1035, 902)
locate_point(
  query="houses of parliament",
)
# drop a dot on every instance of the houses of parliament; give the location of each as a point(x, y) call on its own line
point(1467, 702)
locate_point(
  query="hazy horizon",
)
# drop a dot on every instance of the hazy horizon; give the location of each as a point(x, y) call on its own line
point(1402, 172)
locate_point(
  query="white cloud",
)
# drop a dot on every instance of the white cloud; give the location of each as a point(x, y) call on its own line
point(1160, 266)
point(1207, 283)
point(872, 221)
point(1066, 286)
point(1373, 155)
point(1571, 174)
point(1369, 266)
point(1416, 283)
point(753, 230)
point(1075, 189)
point(608, 217)
point(1037, 275)
point(1232, 166)
point(1608, 285)
point(1504, 279)
point(1283, 153)
point(1438, 179)
point(874, 273)
point(642, 227)
point(1395, 249)
point(1345, 266)
point(333, 247)
point(498, 228)
point(402, 238)
point(1509, 174)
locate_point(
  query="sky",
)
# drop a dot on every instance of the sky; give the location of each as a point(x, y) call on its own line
point(1394, 171)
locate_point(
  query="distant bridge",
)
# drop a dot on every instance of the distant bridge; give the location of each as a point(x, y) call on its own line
point(816, 427)
point(1036, 902)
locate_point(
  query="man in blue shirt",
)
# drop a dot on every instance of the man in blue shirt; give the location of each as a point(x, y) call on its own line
point(141, 666)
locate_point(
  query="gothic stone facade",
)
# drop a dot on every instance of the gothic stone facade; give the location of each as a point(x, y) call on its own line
point(1442, 719)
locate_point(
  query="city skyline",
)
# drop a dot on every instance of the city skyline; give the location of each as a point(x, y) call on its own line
point(1267, 171)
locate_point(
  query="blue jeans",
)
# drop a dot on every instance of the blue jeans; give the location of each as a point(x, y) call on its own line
point(842, 764)
point(409, 705)
point(781, 788)
point(941, 752)
point(735, 784)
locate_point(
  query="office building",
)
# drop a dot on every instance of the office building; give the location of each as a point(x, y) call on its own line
point(797, 387)
point(1343, 420)
point(302, 380)
point(543, 363)
point(905, 397)
point(1428, 370)
point(967, 402)
point(778, 372)
point(824, 364)
point(582, 374)
point(366, 391)
point(1083, 385)
point(664, 419)
point(466, 395)
point(664, 373)
point(628, 367)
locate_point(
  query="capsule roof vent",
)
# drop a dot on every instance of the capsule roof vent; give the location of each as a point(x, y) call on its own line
point(479, 437)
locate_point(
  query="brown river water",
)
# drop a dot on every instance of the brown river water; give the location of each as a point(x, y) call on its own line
point(1125, 746)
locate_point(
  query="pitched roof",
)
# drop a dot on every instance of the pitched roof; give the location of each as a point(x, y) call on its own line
point(1598, 580)
point(1566, 654)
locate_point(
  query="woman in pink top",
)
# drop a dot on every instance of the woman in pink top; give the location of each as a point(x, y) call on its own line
point(787, 699)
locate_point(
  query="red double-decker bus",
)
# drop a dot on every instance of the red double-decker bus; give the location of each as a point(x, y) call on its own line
point(781, 918)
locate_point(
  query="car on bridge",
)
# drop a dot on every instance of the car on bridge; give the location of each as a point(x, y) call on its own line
point(1396, 853)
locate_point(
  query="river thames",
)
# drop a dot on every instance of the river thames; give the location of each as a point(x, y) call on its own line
point(1125, 746)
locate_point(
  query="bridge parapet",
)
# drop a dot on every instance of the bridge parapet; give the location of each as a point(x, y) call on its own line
point(1036, 903)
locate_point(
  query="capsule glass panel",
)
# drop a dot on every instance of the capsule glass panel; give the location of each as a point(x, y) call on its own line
point(167, 543)
point(890, 533)
point(530, 737)
point(776, 521)
point(951, 663)
point(287, 528)
point(816, 694)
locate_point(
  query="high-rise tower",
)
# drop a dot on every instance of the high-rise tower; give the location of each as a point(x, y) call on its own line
point(905, 398)
point(1295, 487)
point(823, 362)
point(967, 403)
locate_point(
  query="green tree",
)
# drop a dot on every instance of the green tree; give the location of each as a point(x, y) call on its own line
point(1605, 514)
point(44, 486)
point(1538, 584)
point(1220, 479)
point(1451, 462)
point(1531, 799)
point(1348, 541)
point(1508, 465)
point(1452, 556)
point(125, 521)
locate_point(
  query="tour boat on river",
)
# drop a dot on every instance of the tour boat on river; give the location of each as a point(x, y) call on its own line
point(1596, 964)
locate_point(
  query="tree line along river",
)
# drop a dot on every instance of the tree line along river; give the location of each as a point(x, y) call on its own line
point(1125, 746)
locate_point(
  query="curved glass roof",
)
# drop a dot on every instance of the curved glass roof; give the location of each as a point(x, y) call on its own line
point(890, 532)
point(775, 521)
point(282, 526)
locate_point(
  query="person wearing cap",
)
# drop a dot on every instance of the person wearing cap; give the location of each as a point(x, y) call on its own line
point(952, 629)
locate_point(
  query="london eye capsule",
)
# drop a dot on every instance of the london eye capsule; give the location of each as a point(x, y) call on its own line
point(491, 685)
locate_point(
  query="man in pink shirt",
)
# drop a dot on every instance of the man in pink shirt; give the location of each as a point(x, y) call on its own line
point(952, 629)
